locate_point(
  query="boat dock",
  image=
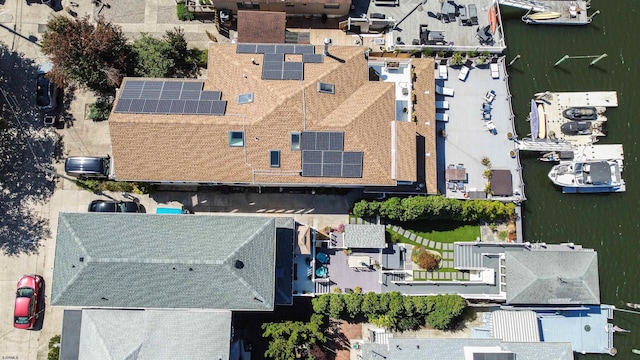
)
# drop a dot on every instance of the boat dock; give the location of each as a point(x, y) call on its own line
point(559, 12)
point(555, 103)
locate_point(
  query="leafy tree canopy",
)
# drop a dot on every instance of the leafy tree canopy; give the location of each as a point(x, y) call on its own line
point(95, 56)
point(293, 339)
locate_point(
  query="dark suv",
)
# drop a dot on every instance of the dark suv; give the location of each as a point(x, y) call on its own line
point(114, 206)
point(88, 166)
point(46, 93)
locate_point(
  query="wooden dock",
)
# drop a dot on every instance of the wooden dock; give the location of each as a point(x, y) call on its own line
point(571, 12)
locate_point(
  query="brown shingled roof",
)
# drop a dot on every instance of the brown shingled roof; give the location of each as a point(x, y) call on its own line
point(265, 27)
point(194, 148)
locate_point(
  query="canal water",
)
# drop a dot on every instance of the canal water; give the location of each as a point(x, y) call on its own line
point(608, 223)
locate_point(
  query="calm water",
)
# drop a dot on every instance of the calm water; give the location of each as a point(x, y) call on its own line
point(607, 223)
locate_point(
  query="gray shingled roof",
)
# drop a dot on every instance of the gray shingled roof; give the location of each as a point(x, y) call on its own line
point(154, 334)
point(364, 236)
point(454, 349)
point(552, 277)
point(164, 261)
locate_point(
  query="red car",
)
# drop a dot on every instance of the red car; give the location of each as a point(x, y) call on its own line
point(26, 310)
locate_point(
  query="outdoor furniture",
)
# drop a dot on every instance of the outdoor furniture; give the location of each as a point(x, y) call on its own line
point(491, 127)
point(452, 186)
point(486, 107)
point(473, 14)
point(442, 117)
point(442, 70)
point(442, 105)
point(451, 166)
point(489, 96)
point(460, 166)
point(424, 34)
point(464, 72)
point(486, 115)
point(435, 37)
point(359, 261)
point(322, 257)
point(463, 15)
point(441, 90)
point(484, 35)
point(495, 72)
point(457, 174)
point(322, 271)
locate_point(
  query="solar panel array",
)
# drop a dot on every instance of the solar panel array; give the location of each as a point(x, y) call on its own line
point(274, 66)
point(328, 163)
point(321, 140)
point(169, 97)
point(295, 49)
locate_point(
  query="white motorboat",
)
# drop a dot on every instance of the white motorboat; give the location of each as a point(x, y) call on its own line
point(594, 169)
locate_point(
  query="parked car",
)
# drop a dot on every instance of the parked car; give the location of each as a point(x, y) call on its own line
point(88, 166)
point(25, 312)
point(114, 206)
point(46, 90)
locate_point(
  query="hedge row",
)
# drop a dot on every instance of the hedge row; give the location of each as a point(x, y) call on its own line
point(435, 207)
point(393, 310)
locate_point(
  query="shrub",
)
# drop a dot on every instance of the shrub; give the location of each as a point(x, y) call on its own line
point(183, 12)
point(502, 235)
point(337, 290)
point(54, 348)
point(486, 162)
point(428, 261)
point(336, 305)
point(100, 110)
point(357, 290)
point(408, 323)
point(456, 59)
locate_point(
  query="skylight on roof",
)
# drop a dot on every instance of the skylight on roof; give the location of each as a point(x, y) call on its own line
point(295, 141)
point(274, 158)
point(236, 138)
point(245, 98)
point(326, 88)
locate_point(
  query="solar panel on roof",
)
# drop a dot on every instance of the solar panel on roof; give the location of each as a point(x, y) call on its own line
point(246, 49)
point(352, 157)
point(272, 75)
point(311, 157)
point(313, 58)
point(170, 95)
point(308, 140)
point(150, 94)
point(192, 86)
point(351, 171)
point(218, 107)
point(273, 57)
point(266, 49)
point(204, 107)
point(313, 170)
point(292, 75)
point(272, 66)
point(136, 106)
point(134, 84)
point(177, 106)
point(336, 141)
point(172, 86)
point(294, 66)
point(164, 107)
point(285, 49)
point(150, 106)
point(190, 95)
point(322, 140)
point(152, 85)
point(123, 105)
point(331, 170)
point(304, 49)
point(191, 107)
point(332, 157)
point(210, 95)
point(130, 94)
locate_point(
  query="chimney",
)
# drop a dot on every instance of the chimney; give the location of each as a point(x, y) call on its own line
point(327, 42)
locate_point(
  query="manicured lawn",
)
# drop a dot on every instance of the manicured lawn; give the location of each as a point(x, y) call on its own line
point(443, 231)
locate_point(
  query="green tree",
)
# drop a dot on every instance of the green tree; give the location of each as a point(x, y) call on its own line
point(321, 304)
point(185, 60)
point(396, 304)
point(370, 304)
point(409, 306)
point(384, 321)
point(446, 308)
point(152, 57)
point(95, 56)
point(408, 323)
point(336, 305)
point(422, 305)
point(293, 339)
point(353, 304)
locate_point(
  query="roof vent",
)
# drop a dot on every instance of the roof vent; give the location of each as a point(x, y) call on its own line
point(327, 42)
point(238, 264)
point(81, 259)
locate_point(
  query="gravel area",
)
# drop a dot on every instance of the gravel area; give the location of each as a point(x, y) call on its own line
point(123, 11)
point(168, 15)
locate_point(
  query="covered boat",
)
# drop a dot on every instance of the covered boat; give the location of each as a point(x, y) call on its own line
point(576, 128)
point(580, 113)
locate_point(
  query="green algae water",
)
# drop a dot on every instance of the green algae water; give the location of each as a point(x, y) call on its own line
point(608, 223)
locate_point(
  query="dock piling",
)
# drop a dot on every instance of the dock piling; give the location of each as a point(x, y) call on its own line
point(598, 59)
point(561, 60)
point(514, 60)
point(594, 14)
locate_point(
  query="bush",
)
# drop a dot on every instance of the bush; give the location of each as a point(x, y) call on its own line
point(428, 261)
point(183, 13)
point(502, 235)
point(357, 290)
point(54, 348)
point(94, 185)
point(101, 109)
